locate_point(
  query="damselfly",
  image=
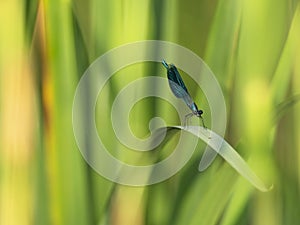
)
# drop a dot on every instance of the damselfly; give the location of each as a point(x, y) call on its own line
point(180, 91)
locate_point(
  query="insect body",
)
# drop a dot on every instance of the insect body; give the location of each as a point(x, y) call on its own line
point(180, 91)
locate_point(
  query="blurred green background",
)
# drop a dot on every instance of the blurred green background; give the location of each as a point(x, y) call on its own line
point(253, 48)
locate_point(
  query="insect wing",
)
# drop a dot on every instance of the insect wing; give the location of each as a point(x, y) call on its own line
point(190, 103)
point(178, 87)
point(179, 92)
point(176, 83)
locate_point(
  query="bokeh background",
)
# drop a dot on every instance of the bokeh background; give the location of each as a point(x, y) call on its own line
point(253, 48)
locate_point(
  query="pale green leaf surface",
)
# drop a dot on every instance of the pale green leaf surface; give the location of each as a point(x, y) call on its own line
point(225, 150)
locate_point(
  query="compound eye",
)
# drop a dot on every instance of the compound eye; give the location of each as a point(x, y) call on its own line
point(200, 112)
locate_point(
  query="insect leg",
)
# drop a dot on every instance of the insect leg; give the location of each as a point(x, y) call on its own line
point(202, 120)
point(187, 118)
